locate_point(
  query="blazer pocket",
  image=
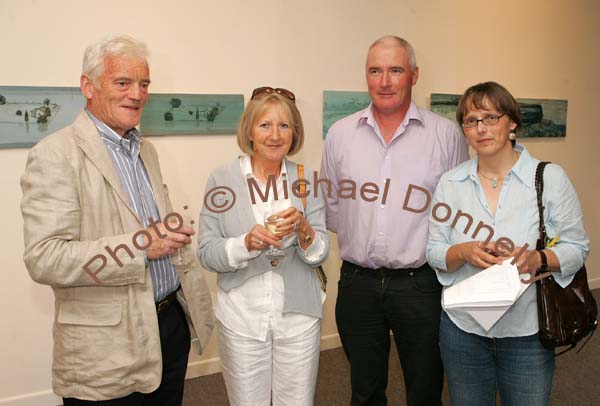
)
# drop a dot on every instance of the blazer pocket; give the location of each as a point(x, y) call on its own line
point(90, 313)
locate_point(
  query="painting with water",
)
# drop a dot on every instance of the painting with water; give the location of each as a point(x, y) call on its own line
point(29, 113)
point(339, 104)
point(191, 114)
point(540, 117)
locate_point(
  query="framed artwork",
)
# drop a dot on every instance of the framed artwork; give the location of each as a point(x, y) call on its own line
point(540, 117)
point(29, 113)
point(191, 114)
point(339, 104)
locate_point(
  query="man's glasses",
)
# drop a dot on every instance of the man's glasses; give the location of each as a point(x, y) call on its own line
point(269, 90)
point(487, 120)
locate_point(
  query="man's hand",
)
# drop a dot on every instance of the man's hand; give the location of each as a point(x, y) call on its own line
point(165, 242)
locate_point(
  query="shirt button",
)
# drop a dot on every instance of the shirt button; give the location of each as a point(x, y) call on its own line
point(380, 233)
point(411, 273)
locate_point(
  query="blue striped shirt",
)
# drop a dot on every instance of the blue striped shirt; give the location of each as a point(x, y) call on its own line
point(125, 153)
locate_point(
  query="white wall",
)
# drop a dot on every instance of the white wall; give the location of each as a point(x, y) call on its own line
point(536, 48)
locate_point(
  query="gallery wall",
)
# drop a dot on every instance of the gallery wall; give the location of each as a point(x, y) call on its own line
point(536, 48)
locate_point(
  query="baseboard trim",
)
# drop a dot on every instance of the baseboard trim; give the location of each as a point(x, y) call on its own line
point(213, 365)
point(44, 398)
point(594, 283)
point(195, 369)
point(331, 341)
point(203, 367)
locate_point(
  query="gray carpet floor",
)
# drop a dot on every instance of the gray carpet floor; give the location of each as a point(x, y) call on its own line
point(576, 381)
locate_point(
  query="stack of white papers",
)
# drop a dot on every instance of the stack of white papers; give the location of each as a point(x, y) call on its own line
point(487, 295)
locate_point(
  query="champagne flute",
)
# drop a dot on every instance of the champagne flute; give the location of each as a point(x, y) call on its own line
point(178, 259)
point(271, 220)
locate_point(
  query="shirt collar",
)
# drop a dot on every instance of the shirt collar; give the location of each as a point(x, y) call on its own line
point(368, 118)
point(525, 167)
point(522, 169)
point(246, 165)
point(413, 113)
point(129, 143)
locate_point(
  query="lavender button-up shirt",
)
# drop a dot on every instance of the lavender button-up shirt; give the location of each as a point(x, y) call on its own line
point(381, 233)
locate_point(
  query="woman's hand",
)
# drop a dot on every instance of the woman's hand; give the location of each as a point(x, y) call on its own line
point(528, 262)
point(259, 238)
point(293, 222)
point(478, 254)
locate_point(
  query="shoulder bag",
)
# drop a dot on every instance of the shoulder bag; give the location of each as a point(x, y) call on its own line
point(565, 315)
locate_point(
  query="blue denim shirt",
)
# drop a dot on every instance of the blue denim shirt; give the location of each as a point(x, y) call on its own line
point(516, 218)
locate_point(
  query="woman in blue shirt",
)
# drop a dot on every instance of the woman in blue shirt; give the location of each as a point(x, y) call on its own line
point(493, 196)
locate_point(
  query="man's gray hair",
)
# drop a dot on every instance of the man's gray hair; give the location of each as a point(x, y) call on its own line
point(121, 45)
point(400, 42)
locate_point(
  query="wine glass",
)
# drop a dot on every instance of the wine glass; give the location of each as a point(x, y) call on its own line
point(178, 259)
point(271, 220)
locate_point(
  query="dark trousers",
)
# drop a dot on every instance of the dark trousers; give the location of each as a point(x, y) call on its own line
point(370, 303)
point(175, 347)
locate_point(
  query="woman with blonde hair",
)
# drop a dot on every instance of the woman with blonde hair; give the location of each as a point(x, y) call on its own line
point(264, 249)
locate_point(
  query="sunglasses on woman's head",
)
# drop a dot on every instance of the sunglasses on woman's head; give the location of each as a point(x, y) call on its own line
point(269, 90)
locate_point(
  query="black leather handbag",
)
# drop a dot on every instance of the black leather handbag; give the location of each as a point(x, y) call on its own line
point(566, 315)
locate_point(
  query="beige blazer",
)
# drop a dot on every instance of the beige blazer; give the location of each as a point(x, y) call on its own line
point(106, 339)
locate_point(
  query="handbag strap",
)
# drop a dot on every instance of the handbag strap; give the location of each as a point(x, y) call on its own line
point(302, 185)
point(539, 188)
point(540, 245)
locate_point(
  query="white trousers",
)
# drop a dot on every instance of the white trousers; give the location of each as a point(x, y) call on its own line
point(284, 368)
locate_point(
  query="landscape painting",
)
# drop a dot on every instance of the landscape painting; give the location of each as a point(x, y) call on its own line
point(539, 117)
point(339, 104)
point(171, 114)
point(28, 113)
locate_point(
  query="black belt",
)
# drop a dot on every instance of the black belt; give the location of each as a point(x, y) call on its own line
point(386, 271)
point(166, 302)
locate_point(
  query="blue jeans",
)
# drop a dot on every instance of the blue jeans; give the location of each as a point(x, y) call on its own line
point(520, 368)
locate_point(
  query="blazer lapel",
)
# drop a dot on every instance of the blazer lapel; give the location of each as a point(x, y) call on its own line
point(95, 149)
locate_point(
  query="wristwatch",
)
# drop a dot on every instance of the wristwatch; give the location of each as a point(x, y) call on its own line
point(544, 266)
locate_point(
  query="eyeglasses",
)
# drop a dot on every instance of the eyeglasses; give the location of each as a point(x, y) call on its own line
point(487, 120)
point(269, 90)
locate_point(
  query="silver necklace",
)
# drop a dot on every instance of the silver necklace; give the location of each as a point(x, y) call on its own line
point(494, 180)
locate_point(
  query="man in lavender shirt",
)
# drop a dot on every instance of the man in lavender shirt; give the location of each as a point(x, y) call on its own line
point(385, 282)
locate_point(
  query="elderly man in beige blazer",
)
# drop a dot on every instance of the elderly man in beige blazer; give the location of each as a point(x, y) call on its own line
point(92, 195)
